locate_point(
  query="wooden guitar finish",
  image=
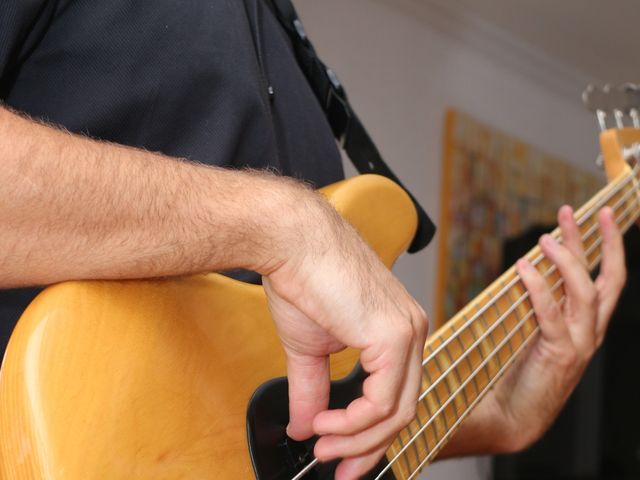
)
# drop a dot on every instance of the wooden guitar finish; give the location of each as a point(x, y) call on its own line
point(151, 379)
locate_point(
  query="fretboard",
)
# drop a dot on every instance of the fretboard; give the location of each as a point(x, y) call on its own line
point(466, 356)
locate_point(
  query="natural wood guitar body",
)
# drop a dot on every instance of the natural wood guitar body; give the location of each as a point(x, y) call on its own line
point(151, 379)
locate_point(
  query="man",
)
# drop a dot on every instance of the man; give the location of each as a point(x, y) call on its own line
point(216, 82)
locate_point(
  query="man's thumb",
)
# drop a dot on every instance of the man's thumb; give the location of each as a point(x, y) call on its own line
point(308, 392)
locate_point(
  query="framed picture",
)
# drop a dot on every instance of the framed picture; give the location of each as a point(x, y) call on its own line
point(494, 187)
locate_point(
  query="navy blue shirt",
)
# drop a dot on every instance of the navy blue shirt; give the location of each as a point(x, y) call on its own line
point(214, 81)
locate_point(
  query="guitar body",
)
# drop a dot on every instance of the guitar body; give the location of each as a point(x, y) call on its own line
point(152, 379)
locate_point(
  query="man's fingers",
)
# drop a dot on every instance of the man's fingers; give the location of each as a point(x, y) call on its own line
point(547, 309)
point(386, 361)
point(612, 271)
point(309, 382)
point(378, 434)
point(381, 391)
point(577, 282)
point(355, 467)
point(571, 236)
point(581, 295)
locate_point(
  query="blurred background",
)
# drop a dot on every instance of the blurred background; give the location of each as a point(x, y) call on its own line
point(519, 67)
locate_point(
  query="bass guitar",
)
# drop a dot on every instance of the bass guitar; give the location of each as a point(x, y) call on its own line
point(184, 378)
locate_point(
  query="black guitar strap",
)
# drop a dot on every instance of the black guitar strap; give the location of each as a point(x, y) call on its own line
point(346, 125)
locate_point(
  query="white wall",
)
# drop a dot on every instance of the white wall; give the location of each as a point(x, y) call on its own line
point(401, 73)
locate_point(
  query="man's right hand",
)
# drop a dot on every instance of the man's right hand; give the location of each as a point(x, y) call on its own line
point(75, 208)
point(330, 292)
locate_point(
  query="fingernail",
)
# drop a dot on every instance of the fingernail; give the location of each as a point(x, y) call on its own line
point(548, 241)
point(569, 213)
point(287, 430)
point(608, 211)
point(523, 264)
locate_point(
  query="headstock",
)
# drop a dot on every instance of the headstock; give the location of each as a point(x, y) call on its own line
point(618, 111)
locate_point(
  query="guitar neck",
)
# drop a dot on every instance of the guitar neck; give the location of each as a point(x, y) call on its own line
point(468, 354)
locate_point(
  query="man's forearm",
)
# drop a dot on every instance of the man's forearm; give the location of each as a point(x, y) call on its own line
point(72, 207)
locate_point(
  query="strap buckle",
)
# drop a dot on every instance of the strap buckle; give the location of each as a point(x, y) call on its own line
point(337, 108)
point(300, 31)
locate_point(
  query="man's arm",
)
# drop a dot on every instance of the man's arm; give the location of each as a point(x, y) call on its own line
point(75, 208)
point(72, 207)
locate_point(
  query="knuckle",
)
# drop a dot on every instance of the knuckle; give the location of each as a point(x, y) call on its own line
point(422, 315)
point(570, 358)
point(591, 296)
point(584, 354)
point(421, 323)
point(404, 332)
point(537, 285)
point(623, 278)
point(407, 415)
point(383, 410)
point(552, 310)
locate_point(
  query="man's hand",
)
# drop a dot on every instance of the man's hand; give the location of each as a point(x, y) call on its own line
point(527, 400)
point(76, 208)
point(332, 292)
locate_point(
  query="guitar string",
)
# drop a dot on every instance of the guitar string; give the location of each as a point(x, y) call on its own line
point(497, 323)
point(588, 214)
point(498, 375)
point(609, 194)
point(306, 469)
point(516, 329)
point(495, 351)
point(624, 214)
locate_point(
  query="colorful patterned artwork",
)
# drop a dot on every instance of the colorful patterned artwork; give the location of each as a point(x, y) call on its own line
point(494, 187)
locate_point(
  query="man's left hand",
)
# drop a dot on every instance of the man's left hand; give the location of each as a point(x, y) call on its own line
point(527, 400)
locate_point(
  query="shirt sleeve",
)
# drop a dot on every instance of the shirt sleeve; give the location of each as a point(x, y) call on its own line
point(22, 25)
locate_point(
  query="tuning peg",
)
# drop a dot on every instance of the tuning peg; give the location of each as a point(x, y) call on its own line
point(631, 93)
point(595, 99)
point(616, 100)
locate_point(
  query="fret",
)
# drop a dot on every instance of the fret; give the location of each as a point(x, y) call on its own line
point(584, 229)
point(516, 314)
point(636, 186)
point(502, 321)
point(507, 304)
point(433, 427)
point(403, 455)
point(627, 197)
point(631, 203)
point(437, 394)
point(414, 445)
point(437, 359)
point(467, 357)
point(459, 380)
point(627, 225)
point(435, 424)
point(466, 336)
point(423, 435)
point(546, 268)
point(493, 358)
point(591, 234)
point(479, 349)
point(496, 336)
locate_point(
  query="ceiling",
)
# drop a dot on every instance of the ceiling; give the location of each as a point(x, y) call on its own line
point(597, 37)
